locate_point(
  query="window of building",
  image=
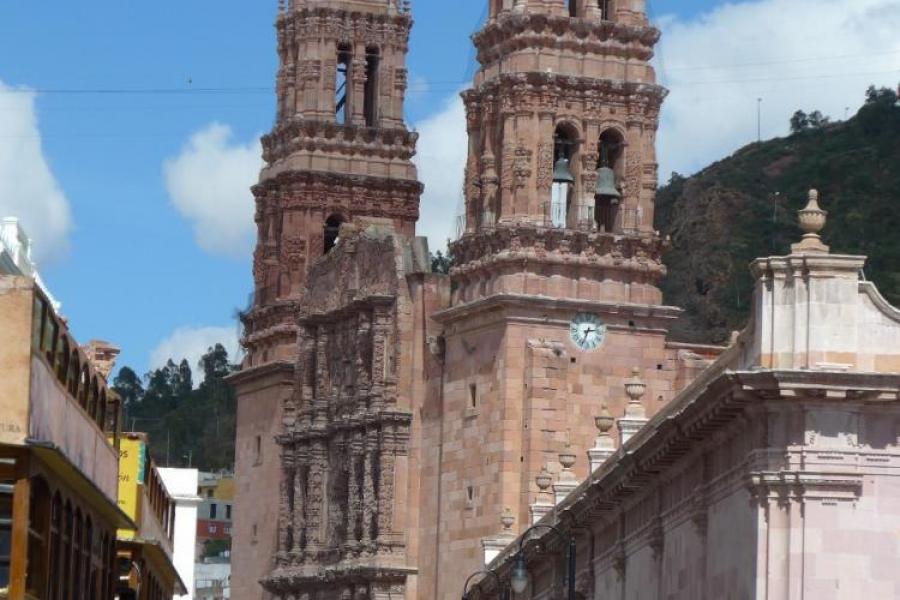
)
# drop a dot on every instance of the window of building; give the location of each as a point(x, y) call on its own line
point(610, 150)
point(332, 232)
point(48, 345)
point(38, 538)
point(257, 457)
point(74, 372)
point(6, 514)
point(62, 360)
point(213, 529)
point(228, 511)
point(66, 551)
point(342, 84)
point(565, 149)
point(473, 395)
point(573, 7)
point(606, 10)
point(56, 517)
point(77, 556)
point(370, 97)
point(38, 321)
point(213, 509)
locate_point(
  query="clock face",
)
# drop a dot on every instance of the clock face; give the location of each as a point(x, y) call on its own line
point(587, 331)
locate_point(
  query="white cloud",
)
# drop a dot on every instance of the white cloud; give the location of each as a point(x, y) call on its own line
point(794, 54)
point(28, 189)
point(209, 184)
point(441, 160)
point(191, 343)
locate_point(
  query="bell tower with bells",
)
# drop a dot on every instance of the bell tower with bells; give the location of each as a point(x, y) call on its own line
point(556, 263)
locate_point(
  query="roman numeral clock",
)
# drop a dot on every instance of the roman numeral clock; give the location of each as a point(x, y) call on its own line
point(587, 331)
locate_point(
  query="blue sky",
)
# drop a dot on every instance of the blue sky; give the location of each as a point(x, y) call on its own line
point(131, 269)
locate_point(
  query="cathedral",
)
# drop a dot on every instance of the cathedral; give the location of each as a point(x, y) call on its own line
point(398, 428)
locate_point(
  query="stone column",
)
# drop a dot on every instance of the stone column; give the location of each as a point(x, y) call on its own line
point(358, 90)
point(317, 496)
point(369, 496)
point(300, 483)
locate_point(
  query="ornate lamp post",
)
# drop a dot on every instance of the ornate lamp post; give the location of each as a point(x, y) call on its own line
point(504, 592)
point(519, 578)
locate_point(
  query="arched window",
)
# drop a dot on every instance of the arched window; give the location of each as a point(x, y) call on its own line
point(332, 231)
point(84, 387)
point(87, 566)
point(74, 373)
point(66, 551)
point(56, 525)
point(62, 360)
point(77, 557)
point(39, 516)
point(370, 97)
point(342, 84)
point(606, 7)
point(565, 150)
point(93, 407)
point(610, 169)
point(103, 414)
point(573, 7)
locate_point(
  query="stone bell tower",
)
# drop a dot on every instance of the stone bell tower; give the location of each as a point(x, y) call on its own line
point(555, 299)
point(339, 153)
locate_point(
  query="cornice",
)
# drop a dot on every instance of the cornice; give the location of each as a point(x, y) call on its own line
point(277, 369)
point(575, 88)
point(287, 579)
point(545, 303)
point(285, 180)
point(296, 134)
point(539, 29)
point(697, 414)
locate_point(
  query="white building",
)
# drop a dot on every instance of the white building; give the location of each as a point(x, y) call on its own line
point(15, 255)
point(182, 485)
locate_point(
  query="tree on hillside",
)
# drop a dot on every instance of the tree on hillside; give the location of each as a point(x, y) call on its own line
point(186, 426)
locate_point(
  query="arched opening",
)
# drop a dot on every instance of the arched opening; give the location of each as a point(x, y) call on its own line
point(83, 388)
point(66, 548)
point(332, 232)
point(610, 168)
point(39, 516)
point(74, 374)
point(94, 402)
point(370, 97)
point(56, 525)
point(102, 412)
point(62, 361)
point(342, 84)
point(77, 557)
point(573, 7)
point(565, 149)
point(606, 7)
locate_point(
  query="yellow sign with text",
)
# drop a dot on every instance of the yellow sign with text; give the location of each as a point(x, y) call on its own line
point(132, 462)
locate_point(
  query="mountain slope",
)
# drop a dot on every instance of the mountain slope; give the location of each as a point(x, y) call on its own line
point(745, 206)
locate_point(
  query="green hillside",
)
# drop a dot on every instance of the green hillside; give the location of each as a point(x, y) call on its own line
point(745, 206)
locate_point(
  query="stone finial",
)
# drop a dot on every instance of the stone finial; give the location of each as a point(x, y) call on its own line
point(542, 505)
point(567, 459)
point(604, 447)
point(567, 480)
point(635, 416)
point(507, 520)
point(544, 479)
point(812, 220)
point(635, 389)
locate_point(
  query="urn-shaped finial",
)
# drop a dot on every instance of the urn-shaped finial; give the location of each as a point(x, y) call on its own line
point(544, 480)
point(812, 220)
point(507, 520)
point(604, 421)
point(635, 386)
point(567, 458)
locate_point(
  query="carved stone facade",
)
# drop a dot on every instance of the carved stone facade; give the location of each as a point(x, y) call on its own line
point(339, 153)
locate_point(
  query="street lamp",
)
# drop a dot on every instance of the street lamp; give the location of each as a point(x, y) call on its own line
point(503, 592)
point(519, 577)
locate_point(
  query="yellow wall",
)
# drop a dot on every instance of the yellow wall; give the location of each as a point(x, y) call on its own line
point(132, 462)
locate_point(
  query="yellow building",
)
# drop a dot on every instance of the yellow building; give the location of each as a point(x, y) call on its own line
point(58, 455)
point(145, 567)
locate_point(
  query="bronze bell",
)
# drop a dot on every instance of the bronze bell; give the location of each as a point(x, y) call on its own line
point(561, 171)
point(606, 183)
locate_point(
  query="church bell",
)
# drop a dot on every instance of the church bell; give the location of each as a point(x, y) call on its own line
point(606, 183)
point(561, 171)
